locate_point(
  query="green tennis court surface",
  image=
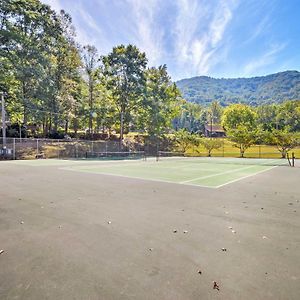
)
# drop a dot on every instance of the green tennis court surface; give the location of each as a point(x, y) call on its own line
point(69, 230)
point(207, 172)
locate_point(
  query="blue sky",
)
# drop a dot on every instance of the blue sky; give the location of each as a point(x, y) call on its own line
point(218, 38)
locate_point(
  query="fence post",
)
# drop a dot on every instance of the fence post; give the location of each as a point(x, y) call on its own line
point(14, 148)
point(223, 148)
point(76, 150)
point(3, 120)
point(37, 147)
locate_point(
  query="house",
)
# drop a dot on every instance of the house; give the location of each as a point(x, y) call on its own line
point(214, 131)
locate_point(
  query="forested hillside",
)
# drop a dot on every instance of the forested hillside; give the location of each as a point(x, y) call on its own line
point(273, 88)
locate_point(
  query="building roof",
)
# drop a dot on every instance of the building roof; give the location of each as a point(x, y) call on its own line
point(215, 128)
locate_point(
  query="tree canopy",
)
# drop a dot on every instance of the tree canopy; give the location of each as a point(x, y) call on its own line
point(61, 87)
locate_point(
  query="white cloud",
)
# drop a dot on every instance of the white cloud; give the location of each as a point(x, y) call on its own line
point(195, 44)
point(89, 31)
point(262, 27)
point(147, 34)
point(222, 16)
point(263, 60)
point(55, 4)
point(194, 37)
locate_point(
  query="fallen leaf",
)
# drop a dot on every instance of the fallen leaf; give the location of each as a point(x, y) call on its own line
point(216, 286)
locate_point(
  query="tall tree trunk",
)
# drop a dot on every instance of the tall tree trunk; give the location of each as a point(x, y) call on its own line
point(55, 117)
point(91, 100)
point(121, 125)
point(25, 112)
point(67, 126)
point(50, 124)
point(44, 126)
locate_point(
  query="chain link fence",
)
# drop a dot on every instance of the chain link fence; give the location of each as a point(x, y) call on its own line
point(27, 148)
point(225, 149)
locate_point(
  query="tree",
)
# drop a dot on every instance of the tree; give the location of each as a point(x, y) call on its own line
point(239, 115)
point(67, 72)
point(185, 139)
point(90, 61)
point(242, 137)
point(39, 52)
point(28, 31)
point(160, 104)
point(191, 117)
point(285, 140)
point(288, 116)
point(267, 116)
point(124, 69)
point(60, 91)
point(215, 110)
point(211, 144)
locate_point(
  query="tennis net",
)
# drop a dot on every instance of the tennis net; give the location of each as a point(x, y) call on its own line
point(115, 155)
point(194, 159)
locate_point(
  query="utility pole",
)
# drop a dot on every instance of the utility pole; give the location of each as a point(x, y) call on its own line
point(121, 130)
point(3, 120)
point(211, 123)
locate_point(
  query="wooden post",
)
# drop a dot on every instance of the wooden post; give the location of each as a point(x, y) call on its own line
point(3, 120)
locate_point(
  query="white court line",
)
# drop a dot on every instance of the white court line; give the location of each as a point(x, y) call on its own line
point(232, 171)
point(136, 163)
point(76, 169)
point(241, 178)
point(132, 177)
point(218, 174)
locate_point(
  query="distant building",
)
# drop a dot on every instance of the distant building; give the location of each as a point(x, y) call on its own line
point(214, 131)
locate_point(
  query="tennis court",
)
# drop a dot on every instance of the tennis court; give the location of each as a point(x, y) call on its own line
point(205, 172)
point(136, 229)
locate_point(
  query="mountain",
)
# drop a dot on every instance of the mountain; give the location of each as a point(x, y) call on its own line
point(273, 88)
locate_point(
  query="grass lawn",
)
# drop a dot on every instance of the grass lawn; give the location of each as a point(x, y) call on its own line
point(255, 151)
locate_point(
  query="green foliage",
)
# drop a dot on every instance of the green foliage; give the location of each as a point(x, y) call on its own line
point(192, 117)
point(267, 116)
point(211, 144)
point(285, 140)
point(185, 139)
point(90, 63)
point(239, 115)
point(289, 115)
point(160, 104)
point(269, 89)
point(215, 112)
point(124, 72)
point(38, 52)
point(242, 137)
